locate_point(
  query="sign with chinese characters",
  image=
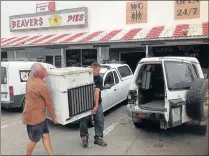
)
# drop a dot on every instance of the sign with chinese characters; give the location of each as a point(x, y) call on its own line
point(186, 9)
point(44, 7)
point(24, 75)
point(136, 12)
point(63, 18)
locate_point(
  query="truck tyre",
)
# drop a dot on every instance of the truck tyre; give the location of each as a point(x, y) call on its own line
point(202, 130)
point(138, 124)
point(197, 100)
point(91, 121)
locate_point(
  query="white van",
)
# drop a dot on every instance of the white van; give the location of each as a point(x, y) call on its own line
point(14, 75)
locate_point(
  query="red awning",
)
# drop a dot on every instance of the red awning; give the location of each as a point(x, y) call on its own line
point(158, 32)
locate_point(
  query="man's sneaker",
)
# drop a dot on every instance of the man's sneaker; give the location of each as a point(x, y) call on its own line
point(85, 141)
point(100, 142)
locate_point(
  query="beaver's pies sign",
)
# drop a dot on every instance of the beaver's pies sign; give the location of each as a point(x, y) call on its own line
point(77, 17)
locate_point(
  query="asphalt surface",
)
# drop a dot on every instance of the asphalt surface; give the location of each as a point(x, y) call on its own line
point(120, 134)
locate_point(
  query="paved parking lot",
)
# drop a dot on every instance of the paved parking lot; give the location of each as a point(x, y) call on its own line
point(121, 135)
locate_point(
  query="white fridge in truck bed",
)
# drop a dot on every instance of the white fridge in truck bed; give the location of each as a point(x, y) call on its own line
point(72, 92)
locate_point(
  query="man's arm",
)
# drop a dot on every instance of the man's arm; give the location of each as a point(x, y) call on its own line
point(98, 88)
point(45, 93)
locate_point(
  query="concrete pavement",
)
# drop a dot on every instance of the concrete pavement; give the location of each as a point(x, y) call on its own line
point(120, 133)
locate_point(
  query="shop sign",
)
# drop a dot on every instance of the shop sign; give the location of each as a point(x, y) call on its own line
point(44, 7)
point(136, 12)
point(186, 9)
point(63, 18)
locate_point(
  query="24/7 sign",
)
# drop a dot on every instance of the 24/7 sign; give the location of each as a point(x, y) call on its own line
point(186, 9)
point(136, 12)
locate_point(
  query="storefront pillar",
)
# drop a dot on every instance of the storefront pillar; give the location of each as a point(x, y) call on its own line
point(14, 55)
point(147, 50)
point(62, 58)
point(99, 54)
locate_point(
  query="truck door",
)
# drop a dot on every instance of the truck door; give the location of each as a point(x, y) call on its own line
point(178, 76)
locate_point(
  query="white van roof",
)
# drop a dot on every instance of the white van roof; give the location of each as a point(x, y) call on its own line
point(68, 71)
point(158, 59)
point(25, 63)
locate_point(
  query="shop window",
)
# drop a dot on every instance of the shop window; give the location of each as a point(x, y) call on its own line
point(49, 59)
point(124, 71)
point(88, 56)
point(57, 61)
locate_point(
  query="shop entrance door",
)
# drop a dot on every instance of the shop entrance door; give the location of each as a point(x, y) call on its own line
point(132, 58)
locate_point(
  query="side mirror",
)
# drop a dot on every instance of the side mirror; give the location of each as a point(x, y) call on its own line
point(107, 86)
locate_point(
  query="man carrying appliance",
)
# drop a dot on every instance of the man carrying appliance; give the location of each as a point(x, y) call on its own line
point(97, 112)
point(37, 99)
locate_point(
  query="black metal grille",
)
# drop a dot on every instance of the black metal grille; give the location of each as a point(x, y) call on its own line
point(80, 99)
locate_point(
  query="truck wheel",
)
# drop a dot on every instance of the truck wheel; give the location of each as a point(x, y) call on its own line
point(138, 124)
point(197, 100)
point(202, 130)
point(91, 121)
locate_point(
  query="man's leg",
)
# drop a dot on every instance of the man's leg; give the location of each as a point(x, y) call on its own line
point(34, 136)
point(47, 143)
point(99, 127)
point(46, 139)
point(30, 147)
point(84, 131)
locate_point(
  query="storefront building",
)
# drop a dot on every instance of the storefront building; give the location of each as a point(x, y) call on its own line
point(126, 31)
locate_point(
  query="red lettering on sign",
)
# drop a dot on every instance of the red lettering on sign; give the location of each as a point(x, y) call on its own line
point(35, 22)
point(40, 21)
point(75, 18)
point(27, 22)
point(70, 18)
point(23, 23)
point(81, 17)
point(18, 23)
point(31, 22)
point(13, 24)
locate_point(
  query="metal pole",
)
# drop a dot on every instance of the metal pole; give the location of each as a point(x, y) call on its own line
point(62, 58)
point(147, 50)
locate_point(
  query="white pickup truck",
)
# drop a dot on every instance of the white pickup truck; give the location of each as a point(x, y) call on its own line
point(116, 81)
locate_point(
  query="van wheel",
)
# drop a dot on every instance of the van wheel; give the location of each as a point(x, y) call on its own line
point(91, 121)
point(138, 124)
point(197, 100)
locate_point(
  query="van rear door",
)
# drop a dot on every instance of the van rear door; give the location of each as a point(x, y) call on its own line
point(4, 84)
point(178, 76)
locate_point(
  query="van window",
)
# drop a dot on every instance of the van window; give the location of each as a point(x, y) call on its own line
point(179, 75)
point(124, 71)
point(3, 75)
point(116, 77)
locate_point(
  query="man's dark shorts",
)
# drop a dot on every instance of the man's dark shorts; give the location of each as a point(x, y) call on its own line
point(35, 132)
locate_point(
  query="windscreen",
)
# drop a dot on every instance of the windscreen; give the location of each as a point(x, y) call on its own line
point(179, 75)
point(3, 75)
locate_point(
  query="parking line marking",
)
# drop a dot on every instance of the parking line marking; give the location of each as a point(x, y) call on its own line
point(110, 128)
point(7, 125)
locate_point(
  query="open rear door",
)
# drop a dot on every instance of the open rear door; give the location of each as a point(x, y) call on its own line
point(178, 76)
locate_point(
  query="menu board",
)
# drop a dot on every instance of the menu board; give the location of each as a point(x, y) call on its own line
point(73, 58)
point(89, 56)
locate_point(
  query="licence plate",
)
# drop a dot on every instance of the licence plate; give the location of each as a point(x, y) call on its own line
point(176, 114)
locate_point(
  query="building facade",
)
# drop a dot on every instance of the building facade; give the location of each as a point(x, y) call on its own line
point(118, 30)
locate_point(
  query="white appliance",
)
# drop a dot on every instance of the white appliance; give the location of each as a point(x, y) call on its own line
point(72, 92)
